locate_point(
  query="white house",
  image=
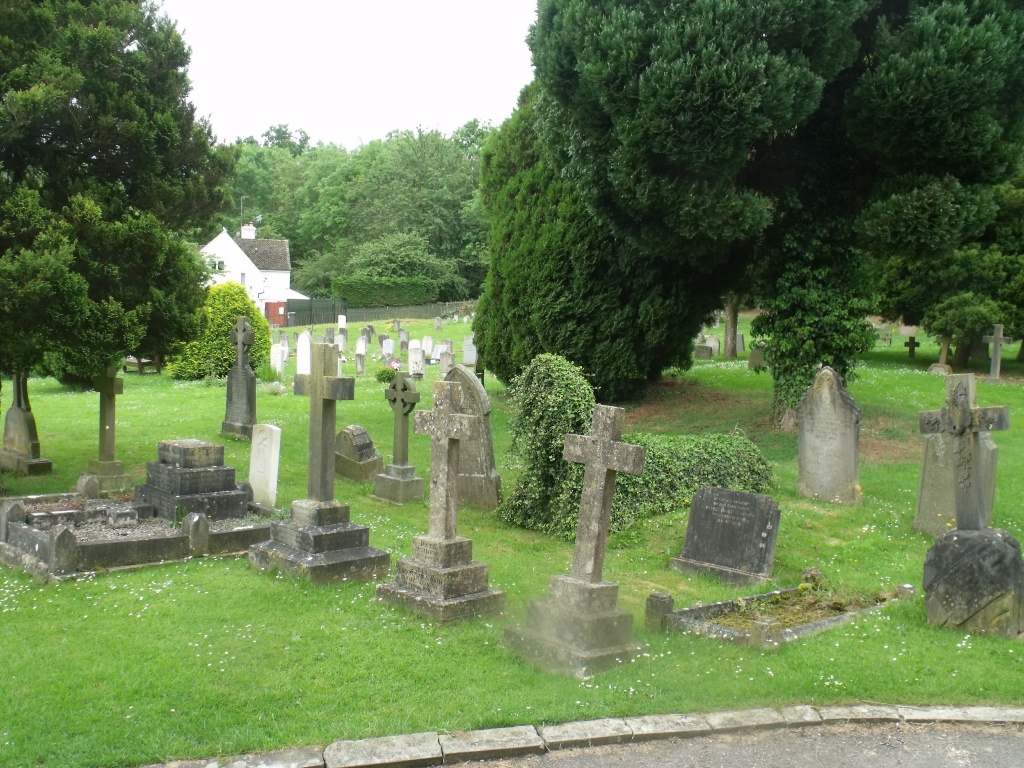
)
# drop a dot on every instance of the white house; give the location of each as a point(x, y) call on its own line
point(262, 267)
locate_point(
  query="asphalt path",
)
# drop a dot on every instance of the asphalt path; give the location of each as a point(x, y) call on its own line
point(834, 746)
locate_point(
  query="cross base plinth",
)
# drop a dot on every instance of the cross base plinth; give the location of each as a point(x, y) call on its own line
point(399, 483)
point(974, 582)
point(443, 582)
point(24, 465)
point(110, 475)
point(321, 545)
point(578, 630)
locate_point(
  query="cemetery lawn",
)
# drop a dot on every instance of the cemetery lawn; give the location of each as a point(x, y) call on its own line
point(207, 657)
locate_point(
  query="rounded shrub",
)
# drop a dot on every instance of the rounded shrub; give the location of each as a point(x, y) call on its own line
point(212, 353)
point(385, 374)
point(550, 399)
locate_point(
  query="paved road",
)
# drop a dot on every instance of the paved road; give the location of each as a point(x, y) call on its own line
point(841, 746)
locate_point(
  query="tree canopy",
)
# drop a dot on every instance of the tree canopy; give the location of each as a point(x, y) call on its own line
point(714, 135)
point(103, 169)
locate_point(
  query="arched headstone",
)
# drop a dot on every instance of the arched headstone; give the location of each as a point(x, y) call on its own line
point(828, 441)
point(479, 481)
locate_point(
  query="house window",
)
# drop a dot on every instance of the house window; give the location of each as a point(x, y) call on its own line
point(242, 281)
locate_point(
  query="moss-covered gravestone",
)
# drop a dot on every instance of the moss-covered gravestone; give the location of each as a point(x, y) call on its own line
point(579, 628)
point(973, 576)
point(441, 579)
point(828, 441)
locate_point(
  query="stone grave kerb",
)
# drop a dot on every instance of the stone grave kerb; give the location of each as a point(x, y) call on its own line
point(963, 421)
point(402, 397)
point(996, 340)
point(324, 390)
point(447, 426)
point(109, 387)
point(603, 454)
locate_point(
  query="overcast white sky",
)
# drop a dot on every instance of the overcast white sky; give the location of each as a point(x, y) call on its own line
point(349, 71)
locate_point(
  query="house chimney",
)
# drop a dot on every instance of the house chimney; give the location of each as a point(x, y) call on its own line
point(248, 232)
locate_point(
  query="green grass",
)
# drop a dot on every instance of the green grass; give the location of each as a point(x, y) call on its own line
point(207, 657)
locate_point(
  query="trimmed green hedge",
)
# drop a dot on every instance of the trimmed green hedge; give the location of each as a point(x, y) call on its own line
point(363, 291)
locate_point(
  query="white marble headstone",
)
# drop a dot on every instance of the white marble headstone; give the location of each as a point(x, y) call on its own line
point(388, 348)
point(342, 322)
point(428, 346)
point(468, 351)
point(264, 460)
point(416, 364)
point(303, 355)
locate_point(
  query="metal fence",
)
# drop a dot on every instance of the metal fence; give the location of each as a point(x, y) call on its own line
point(305, 312)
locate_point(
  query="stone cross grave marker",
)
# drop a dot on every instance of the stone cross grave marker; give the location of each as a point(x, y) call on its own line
point(303, 353)
point(240, 411)
point(398, 482)
point(997, 340)
point(264, 461)
point(21, 439)
point(108, 471)
point(942, 366)
point(603, 454)
point(447, 427)
point(912, 344)
point(964, 421)
point(324, 390)
point(828, 441)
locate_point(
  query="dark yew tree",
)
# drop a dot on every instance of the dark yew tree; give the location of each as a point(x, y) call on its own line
point(787, 134)
point(561, 282)
point(103, 169)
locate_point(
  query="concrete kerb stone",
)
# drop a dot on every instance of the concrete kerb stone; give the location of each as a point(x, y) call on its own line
point(859, 713)
point(800, 715)
point(305, 757)
point(586, 733)
point(745, 720)
point(491, 744)
point(650, 727)
point(393, 751)
point(961, 714)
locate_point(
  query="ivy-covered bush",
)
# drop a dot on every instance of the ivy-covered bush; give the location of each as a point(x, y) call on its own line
point(550, 399)
point(212, 353)
point(385, 374)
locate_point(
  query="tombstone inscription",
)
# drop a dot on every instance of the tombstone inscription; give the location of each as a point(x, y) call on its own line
point(579, 629)
point(730, 534)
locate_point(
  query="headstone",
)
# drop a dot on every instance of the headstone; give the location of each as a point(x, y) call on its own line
point(997, 340)
point(21, 440)
point(437, 324)
point(361, 345)
point(343, 337)
point(398, 482)
point(416, 362)
point(355, 456)
point(942, 367)
point(381, 339)
point(278, 358)
point(360, 364)
point(372, 331)
point(190, 476)
point(701, 352)
point(579, 628)
point(911, 344)
point(447, 362)
point(428, 346)
point(755, 360)
point(388, 348)
point(973, 576)
point(935, 510)
point(264, 461)
point(403, 346)
point(441, 580)
point(241, 401)
point(479, 481)
point(740, 343)
point(109, 472)
point(715, 344)
point(465, 319)
point(403, 335)
point(396, 325)
point(468, 351)
point(320, 339)
point(730, 534)
point(319, 542)
point(329, 335)
point(303, 354)
point(342, 323)
point(828, 441)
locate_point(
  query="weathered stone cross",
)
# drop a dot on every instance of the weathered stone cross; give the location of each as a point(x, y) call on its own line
point(402, 397)
point(604, 455)
point(912, 344)
point(242, 337)
point(962, 420)
point(996, 340)
point(324, 389)
point(446, 425)
point(109, 387)
point(945, 341)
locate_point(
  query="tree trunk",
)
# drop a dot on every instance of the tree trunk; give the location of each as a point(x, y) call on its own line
point(732, 313)
point(962, 356)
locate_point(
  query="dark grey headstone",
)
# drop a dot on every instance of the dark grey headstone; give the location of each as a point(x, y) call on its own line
point(756, 358)
point(936, 511)
point(731, 534)
point(701, 352)
point(974, 581)
point(356, 456)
